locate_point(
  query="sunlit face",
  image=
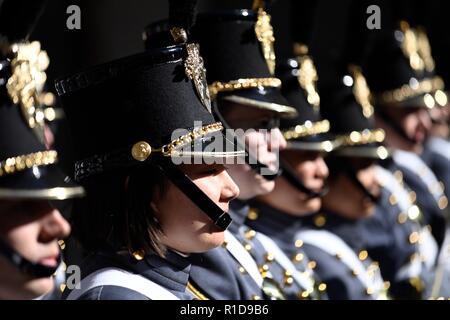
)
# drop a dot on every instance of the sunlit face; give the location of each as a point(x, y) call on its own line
point(415, 122)
point(32, 228)
point(186, 228)
point(263, 145)
point(310, 168)
point(341, 186)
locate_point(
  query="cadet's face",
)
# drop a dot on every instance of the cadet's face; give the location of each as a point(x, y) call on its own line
point(186, 228)
point(32, 228)
point(312, 170)
point(415, 122)
point(359, 205)
point(440, 117)
point(264, 145)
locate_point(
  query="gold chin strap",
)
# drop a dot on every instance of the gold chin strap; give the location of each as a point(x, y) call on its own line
point(21, 163)
point(142, 150)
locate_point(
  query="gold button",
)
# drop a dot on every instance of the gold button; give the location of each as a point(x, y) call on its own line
point(287, 273)
point(355, 273)
point(303, 295)
point(270, 257)
point(141, 151)
point(443, 202)
point(139, 255)
point(386, 285)
point(288, 281)
point(399, 176)
point(248, 247)
point(264, 268)
point(250, 234)
point(298, 243)
point(253, 214)
point(369, 291)
point(413, 212)
point(255, 297)
point(338, 256)
point(402, 218)
point(393, 200)
point(322, 287)
point(320, 220)
point(241, 270)
point(62, 287)
point(312, 264)
point(298, 257)
point(363, 254)
point(413, 196)
point(414, 237)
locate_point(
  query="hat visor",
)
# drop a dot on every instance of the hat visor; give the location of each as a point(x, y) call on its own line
point(214, 148)
point(372, 151)
point(263, 98)
point(39, 183)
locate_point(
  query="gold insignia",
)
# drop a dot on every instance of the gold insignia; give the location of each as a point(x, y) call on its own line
point(410, 47)
point(361, 91)
point(307, 78)
point(28, 65)
point(424, 49)
point(264, 34)
point(197, 73)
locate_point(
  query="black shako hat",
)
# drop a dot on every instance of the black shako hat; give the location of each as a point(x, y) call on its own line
point(237, 46)
point(27, 169)
point(347, 104)
point(401, 71)
point(151, 108)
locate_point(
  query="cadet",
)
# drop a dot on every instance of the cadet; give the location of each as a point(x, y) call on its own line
point(151, 157)
point(30, 226)
point(404, 90)
point(238, 50)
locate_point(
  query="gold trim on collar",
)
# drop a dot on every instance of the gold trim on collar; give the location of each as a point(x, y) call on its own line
point(58, 193)
point(307, 129)
point(242, 84)
point(142, 150)
point(362, 137)
point(409, 91)
point(196, 292)
point(21, 163)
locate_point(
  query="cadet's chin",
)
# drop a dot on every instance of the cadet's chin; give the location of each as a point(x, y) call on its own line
point(31, 289)
point(313, 205)
point(211, 240)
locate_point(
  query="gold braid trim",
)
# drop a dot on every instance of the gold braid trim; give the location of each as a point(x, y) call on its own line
point(242, 84)
point(142, 150)
point(362, 137)
point(407, 91)
point(307, 129)
point(196, 292)
point(21, 163)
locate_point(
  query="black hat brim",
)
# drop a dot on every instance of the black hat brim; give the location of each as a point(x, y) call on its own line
point(39, 183)
point(263, 98)
point(370, 151)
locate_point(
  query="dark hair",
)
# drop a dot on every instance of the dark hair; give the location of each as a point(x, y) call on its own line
point(117, 214)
